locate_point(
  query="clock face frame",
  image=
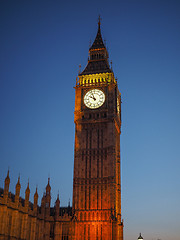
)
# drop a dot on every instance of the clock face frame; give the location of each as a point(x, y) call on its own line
point(94, 98)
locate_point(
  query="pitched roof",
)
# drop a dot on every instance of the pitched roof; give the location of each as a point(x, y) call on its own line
point(98, 42)
point(94, 67)
point(98, 62)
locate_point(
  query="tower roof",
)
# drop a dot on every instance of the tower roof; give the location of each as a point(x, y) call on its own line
point(98, 42)
point(98, 56)
point(140, 237)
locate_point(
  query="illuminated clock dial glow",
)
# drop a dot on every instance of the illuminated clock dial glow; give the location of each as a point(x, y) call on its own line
point(94, 98)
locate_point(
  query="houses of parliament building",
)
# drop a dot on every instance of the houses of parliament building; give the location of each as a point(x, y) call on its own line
point(96, 206)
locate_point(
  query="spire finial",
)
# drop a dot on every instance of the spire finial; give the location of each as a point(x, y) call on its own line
point(99, 20)
point(79, 68)
point(7, 173)
point(19, 178)
point(58, 195)
point(36, 193)
point(140, 237)
point(69, 203)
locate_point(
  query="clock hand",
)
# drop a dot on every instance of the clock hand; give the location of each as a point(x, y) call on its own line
point(92, 96)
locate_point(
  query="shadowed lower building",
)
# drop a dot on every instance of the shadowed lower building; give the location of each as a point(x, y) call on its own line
point(96, 207)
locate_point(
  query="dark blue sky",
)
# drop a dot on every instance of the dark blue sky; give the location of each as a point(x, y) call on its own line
point(42, 44)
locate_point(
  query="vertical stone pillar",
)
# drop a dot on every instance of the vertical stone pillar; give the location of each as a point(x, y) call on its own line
point(35, 202)
point(18, 188)
point(27, 194)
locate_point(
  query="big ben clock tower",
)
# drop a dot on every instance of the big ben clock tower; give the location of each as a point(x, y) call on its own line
point(97, 180)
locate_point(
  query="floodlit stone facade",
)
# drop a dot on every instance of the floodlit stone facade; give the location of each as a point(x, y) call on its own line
point(21, 219)
point(96, 207)
point(97, 181)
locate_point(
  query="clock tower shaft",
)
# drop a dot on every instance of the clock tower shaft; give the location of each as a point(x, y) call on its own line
point(97, 180)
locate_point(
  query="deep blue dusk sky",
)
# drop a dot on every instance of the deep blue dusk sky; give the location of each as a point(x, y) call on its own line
point(42, 44)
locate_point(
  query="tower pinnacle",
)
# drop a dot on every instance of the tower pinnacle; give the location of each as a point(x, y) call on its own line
point(98, 42)
point(98, 56)
point(99, 20)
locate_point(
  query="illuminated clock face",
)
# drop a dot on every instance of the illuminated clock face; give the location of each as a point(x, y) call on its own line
point(94, 98)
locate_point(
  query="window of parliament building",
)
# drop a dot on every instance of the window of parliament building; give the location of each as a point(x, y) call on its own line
point(96, 208)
